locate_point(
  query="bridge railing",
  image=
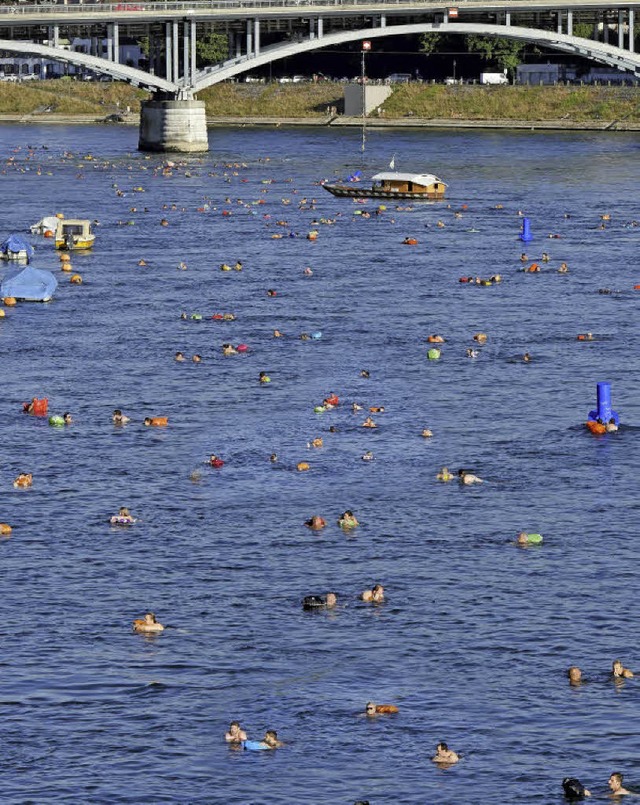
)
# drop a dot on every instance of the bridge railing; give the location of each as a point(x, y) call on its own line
point(55, 9)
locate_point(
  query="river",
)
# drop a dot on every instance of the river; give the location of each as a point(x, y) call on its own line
point(476, 634)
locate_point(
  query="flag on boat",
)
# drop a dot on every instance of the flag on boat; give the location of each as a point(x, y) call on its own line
point(392, 164)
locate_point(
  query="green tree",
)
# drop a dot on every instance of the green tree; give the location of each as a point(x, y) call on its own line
point(583, 29)
point(211, 49)
point(504, 53)
point(429, 42)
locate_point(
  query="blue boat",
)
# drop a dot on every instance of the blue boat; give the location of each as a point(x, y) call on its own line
point(28, 284)
point(15, 247)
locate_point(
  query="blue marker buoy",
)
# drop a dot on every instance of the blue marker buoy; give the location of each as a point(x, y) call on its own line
point(604, 412)
point(525, 234)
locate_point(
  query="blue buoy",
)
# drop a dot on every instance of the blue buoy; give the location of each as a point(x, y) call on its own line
point(525, 234)
point(604, 412)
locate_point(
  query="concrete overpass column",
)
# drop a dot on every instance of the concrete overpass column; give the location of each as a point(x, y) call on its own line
point(116, 43)
point(605, 27)
point(631, 36)
point(445, 16)
point(570, 23)
point(312, 33)
point(507, 18)
point(559, 22)
point(320, 27)
point(620, 28)
point(192, 39)
point(175, 53)
point(173, 126)
point(249, 40)
point(168, 59)
point(109, 42)
point(56, 36)
point(383, 21)
point(256, 36)
point(238, 39)
point(185, 52)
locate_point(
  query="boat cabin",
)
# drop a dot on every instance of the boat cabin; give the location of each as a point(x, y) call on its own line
point(74, 234)
point(419, 184)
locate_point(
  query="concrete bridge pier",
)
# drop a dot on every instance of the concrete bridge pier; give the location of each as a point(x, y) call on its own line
point(173, 125)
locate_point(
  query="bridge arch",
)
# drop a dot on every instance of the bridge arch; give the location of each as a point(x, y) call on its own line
point(132, 75)
point(586, 48)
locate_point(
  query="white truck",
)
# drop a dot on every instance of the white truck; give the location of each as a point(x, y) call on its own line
point(494, 78)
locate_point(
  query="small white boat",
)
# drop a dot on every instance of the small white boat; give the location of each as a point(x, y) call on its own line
point(393, 185)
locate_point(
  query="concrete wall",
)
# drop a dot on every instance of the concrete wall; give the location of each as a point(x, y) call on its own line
point(374, 96)
point(173, 126)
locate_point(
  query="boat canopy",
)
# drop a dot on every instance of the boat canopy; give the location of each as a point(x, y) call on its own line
point(28, 283)
point(16, 244)
point(49, 222)
point(423, 179)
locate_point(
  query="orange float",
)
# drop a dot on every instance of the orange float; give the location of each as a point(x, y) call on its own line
point(410, 242)
point(386, 708)
point(159, 421)
point(596, 427)
point(9, 301)
point(302, 466)
point(5, 529)
point(76, 279)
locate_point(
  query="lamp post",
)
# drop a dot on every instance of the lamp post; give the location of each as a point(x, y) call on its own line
point(366, 46)
point(454, 69)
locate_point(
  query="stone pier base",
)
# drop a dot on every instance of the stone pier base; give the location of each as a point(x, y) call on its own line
point(173, 126)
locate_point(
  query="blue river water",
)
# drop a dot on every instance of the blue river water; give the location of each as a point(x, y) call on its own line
point(476, 634)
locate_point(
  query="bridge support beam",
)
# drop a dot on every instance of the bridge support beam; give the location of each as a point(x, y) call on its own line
point(631, 32)
point(173, 126)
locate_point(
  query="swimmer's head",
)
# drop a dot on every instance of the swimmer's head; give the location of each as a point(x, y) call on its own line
point(273, 458)
point(147, 421)
point(271, 737)
point(523, 538)
point(573, 788)
point(370, 709)
point(574, 674)
point(124, 512)
point(617, 668)
point(332, 599)
point(615, 780)
point(442, 747)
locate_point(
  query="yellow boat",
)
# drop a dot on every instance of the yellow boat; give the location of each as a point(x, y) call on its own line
point(74, 235)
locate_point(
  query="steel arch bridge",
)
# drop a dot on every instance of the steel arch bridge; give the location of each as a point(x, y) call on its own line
point(586, 48)
point(193, 81)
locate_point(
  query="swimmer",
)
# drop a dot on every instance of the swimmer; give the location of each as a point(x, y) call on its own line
point(545, 257)
point(435, 339)
point(182, 266)
point(228, 349)
point(468, 478)
point(271, 740)
point(273, 458)
point(197, 358)
point(444, 475)
point(375, 595)
point(179, 357)
point(148, 624)
point(356, 407)
point(368, 456)
point(611, 426)
point(575, 675)
point(315, 523)
point(236, 734)
point(67, 418)
point(263, 377)
point(585, 337)
point(481, 338)
point(365, 373)
point(369, 423)
point(564, 268)
point(445, 755)
point(472, 353)
point(238, 266)
point(23, 481)
point(348, 520)
point(615, 784)
point(372, 709)
point(317, 442)
point(618, 671)
point(119, 418)
point(305, 337)
point(377, 409)
point(123, 517)
point(272, 292)
point(216, 462)
point(308, 272)
point(526, 357)
point(277, 334)
point(327, 601)
point(141, 262)
point(573, 788)
point(524, 258)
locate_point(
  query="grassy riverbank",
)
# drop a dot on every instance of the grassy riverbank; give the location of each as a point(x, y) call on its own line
point(582, 104)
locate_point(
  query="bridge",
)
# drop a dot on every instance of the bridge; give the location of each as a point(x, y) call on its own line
point(175, 120)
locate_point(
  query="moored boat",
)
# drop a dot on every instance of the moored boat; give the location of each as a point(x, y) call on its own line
point(15, 247)
point(74, 234)
point(393, 185)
